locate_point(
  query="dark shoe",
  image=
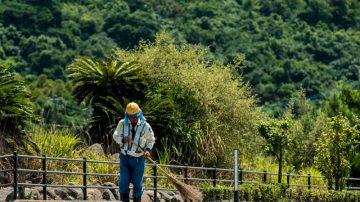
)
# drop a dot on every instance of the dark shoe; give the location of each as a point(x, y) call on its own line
point(125, 197)
point(137, 199)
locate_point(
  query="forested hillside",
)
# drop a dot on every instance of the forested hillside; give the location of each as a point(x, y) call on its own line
point(272, 77)
point(288, 45)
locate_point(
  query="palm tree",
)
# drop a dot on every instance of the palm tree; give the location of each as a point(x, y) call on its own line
point(97, 81)
point(15, 108)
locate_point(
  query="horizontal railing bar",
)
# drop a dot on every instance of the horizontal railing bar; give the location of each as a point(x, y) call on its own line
point(6, 156)
point(300, 175)
point(353, 179)
point(162, 189)
point(32, 185)
point(90, 186)
point(254, 172)
point(101, 187)
point(158, 177)
point(296, 175)
point(64, 172)
point(299, 185)
point(66, 186)
point(29, 156)
point(7, 170)
point(52, 172)
point(270, 173)
point(201, 168)
point(30, 170)
point(193, 167)
point(168, 166)
point(353, 188)
point(50, 158)
point(105, 162)
point(145, 188)
point(64, 159)
point(6, 185)
point(189, 179)
point(250, 182)
point(220, 180)
point(200, 179)
point(258, 172)
point(102, 174)
point(315, 176)
point(319, 186)
point(225, 169)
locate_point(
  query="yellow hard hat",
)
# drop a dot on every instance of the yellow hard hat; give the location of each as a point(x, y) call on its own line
point(132, 108)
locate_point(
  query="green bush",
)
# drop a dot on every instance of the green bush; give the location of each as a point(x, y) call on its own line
point(247, 192)
point(321, 195)
point(200, 97)
point(222, 192)
point(277, 192)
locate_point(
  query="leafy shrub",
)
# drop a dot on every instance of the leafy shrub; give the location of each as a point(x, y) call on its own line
point(322, 195)
point(277, 192)
point(53, 142)
point(195, 97)
point(102, 168)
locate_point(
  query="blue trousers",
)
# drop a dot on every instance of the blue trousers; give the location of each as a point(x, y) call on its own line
point(131, 169)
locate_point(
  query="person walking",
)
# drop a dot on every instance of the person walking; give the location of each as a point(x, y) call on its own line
point(133, 129)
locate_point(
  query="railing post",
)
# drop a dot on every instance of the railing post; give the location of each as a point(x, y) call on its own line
point(288, 180)
point(342, 179)
point(241, 176)
point(309, 181)
point(186, 174)
point(155, 182)
point(15, 173)
point(265, 176)
point(84, 179)
point(185, 177)
point(236, 189)
point(217, 197)
point(44, 180)
point(214, 176)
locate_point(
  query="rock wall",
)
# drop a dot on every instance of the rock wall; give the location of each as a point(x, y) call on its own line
point(60, 193)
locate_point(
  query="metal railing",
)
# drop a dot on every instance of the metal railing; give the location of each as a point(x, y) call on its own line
point(215, 179)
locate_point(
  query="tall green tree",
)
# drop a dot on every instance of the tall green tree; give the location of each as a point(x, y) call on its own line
point(276, 134)
point(15, 108)
point(333, 151)
point(206, 108)
point(98, 80)
point(307, 124)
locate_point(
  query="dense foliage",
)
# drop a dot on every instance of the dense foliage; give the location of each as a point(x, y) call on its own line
point(15, 108)
point(288, 45)
point(199, 84)
point(276, 134)
point(101, 83)
point(334, 150)
point(276, 192)
point(185, 98)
